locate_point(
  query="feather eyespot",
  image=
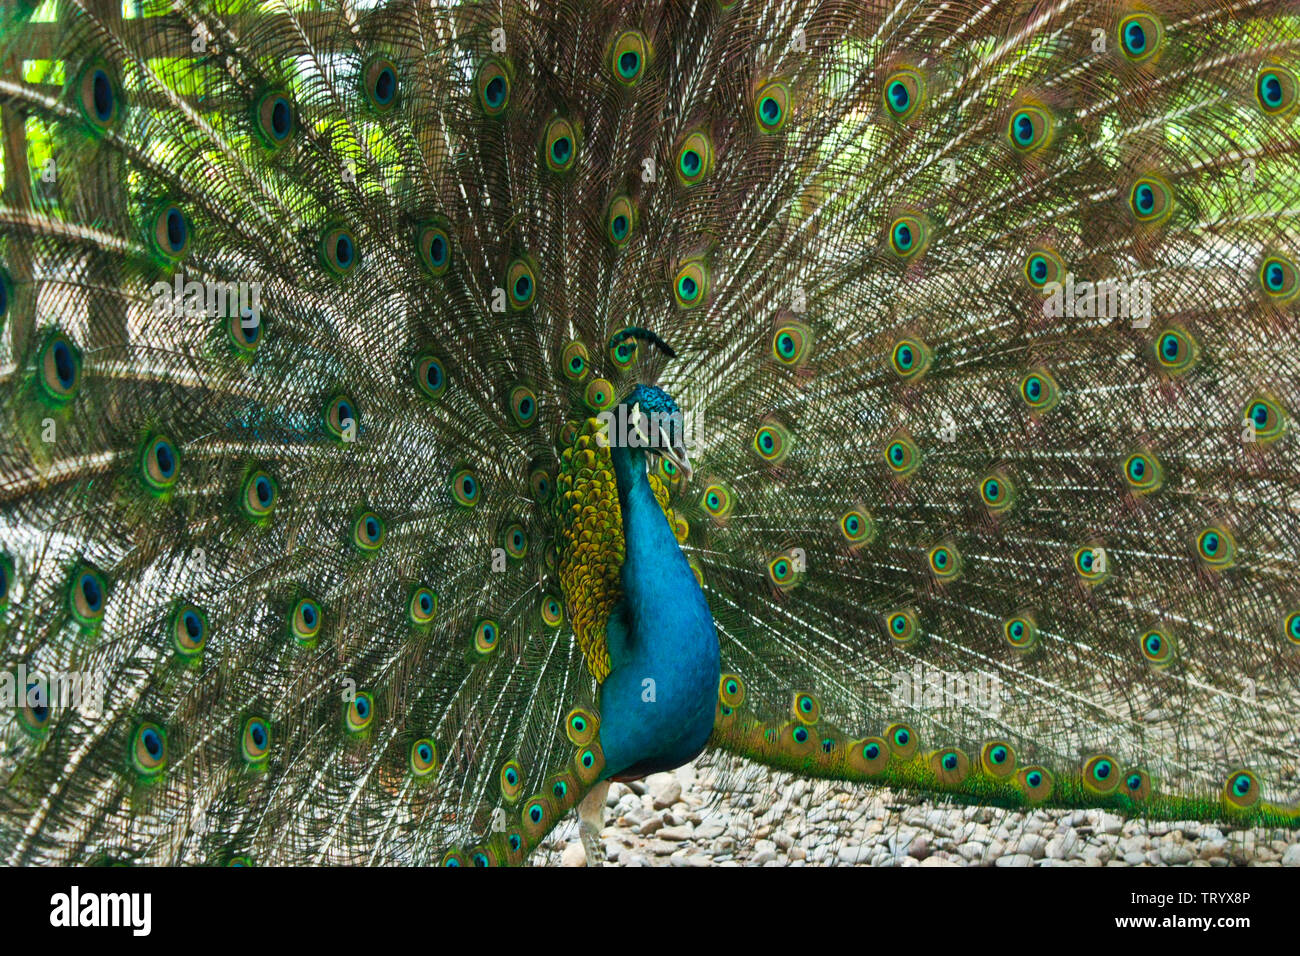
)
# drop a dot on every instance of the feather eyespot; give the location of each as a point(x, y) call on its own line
point(1039, 390)
point(87, 596)
point(492, 86)
point(904, 93)
point(731, 690)
point(1143, 473)
point(1216, 548)
point(431, 376)
point(950, 767)
point(1280, 279)
point(274, 119)
point(902, 740)
point(791, 343)
point(422, 606)
point(1101, 774)
point(1092, 564)
point(1151, 200)
point(1020, 632)
point(902, 626)
point(997, 492)
point(160, 463)
point(189, 630)
point(998, 758)
point(465, 488)
point(909, 358)
point(338, 251)
point(1291, 627)
point(628, 57)
point(908, 236)
point(1242, 789)
point(945, 562)
point(857, 528)
point(620, 220)
point(34, 711)
point(772, 443)
point(98, 96)
point(1036, 784)
point(902, 456)
point(341, 418)
point(433, 243)
point(521, 284)
point(1158, 648)
point(772, 107)
point(691, 284)
point(511, 780)
point(540, 485)
point(1266, 419)
point(694, 158)
point(255, 741)
point(522, 406)
point(258, 495)
point(1030, 129)
point(368, 531)
point(598, 395)
point(359, 712)
point(58, 365)
point(379, 84)
point(575, 362)
point(169, 231)
point(551, 610)
point(560, 145)
point(1042, 267)
point(1176, 351)
point(1140, 36)
point(423, 758)
point(486, 636)
point(305, 620)
point(1275, 90)
point(149, 749)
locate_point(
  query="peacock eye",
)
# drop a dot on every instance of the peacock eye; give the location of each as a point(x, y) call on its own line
point(1030, 128)
point(169, 231)
point(1216, 548)
point(560, 145)
point(379, 84)
point(98, 97)
point(465, 488)
point(904, 92)
point(694, 158)
point(492, 85)
point(772, 107)
point(627, 57)
point(189, 630)
point(1176, 351)
point(1043, 266)
point(338, 250)
point(486, 635)
point(521, 282)
point(359, 713)
point(1151, 200)
point(691, 284)
point(274, 119)
point(1158, 648)
point(1275, 90)
point(1140, 36)
point(255, 741)
point(910, 358)
point(907, 237)
point(149, 749)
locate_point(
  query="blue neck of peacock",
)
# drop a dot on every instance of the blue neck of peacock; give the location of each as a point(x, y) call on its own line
point(655, 572)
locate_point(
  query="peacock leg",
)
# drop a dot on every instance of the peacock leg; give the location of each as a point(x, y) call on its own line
point(591, 820)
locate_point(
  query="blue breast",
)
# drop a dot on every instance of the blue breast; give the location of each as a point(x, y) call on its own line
point(657, 704)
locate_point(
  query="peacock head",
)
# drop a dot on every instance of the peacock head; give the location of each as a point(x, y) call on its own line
point(654, 422)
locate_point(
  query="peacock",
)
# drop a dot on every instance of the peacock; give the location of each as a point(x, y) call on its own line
point(418, 415)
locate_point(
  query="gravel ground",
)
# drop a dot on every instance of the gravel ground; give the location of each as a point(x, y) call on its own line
point(761, 817)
